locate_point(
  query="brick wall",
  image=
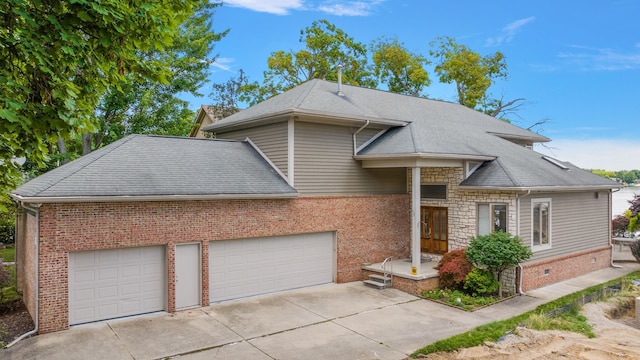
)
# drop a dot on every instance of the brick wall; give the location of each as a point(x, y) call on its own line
point(368, 228)
point(565, 267)
point(26, 260)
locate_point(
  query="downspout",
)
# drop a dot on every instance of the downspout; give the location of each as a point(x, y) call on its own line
point(518, 232)
point(610, 228)
point(355, 147)
point(36, 209)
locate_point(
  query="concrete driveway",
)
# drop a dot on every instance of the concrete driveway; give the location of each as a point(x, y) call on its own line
point(334, 321)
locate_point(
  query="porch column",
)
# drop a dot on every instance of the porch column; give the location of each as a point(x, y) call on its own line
point(415, 221)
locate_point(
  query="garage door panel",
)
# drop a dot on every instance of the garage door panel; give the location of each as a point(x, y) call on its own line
point(106, 284)
point(247, 267)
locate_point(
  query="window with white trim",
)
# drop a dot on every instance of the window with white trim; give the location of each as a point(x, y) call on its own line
point(491, 218)
point(540, 224)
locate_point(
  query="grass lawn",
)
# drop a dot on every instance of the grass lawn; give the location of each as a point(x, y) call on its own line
point(8, 254)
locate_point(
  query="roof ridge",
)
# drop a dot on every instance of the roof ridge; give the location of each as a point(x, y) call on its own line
point(97, 157)
point(508, 173)
point(414, 138)
point(310, 85)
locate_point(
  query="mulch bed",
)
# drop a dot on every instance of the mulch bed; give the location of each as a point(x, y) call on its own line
point(14, 321)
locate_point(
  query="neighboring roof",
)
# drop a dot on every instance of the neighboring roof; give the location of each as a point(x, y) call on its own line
point(161, 168)
point(206, 115)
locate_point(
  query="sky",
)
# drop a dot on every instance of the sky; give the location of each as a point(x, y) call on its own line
point(577, 63)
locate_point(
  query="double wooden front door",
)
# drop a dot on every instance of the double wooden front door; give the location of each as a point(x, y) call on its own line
point(433, 230)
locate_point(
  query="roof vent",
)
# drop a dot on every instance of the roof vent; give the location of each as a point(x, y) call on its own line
point(340, 93)
point(556, 162)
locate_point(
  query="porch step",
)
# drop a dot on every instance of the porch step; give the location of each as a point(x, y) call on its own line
point(379, 281)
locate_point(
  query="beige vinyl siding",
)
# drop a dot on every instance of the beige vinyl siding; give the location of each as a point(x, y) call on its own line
point(366, 134)
point(271, 139)
point(579, 221)
point(324, 164)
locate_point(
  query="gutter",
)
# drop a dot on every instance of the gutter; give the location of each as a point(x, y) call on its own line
point(36, 209)
point(130, 198)
point(518, 197)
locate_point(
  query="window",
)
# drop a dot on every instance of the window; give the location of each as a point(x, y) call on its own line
point(492, 217)
point(540, 223)
point(433, 191)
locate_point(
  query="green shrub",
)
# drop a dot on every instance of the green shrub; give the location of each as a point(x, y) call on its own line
point(481, 282)
point(496, 252)
point(453, 269)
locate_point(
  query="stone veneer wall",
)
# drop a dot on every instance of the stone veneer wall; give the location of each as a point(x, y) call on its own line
point(462, 208)
point(462, 204)
point(368, 229)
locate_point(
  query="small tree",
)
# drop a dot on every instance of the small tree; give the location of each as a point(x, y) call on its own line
point(497, 252)
point(453, 269)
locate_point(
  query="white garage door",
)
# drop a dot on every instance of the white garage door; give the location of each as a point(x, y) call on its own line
point(247, 267)
point(106, 284)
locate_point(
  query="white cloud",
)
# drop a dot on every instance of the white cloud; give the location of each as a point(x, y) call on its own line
point(601, 59)
point(509, 32)
point(607, 154)
point(349, 8)
point(223, 63)
point(278, 7)
point(333, 7)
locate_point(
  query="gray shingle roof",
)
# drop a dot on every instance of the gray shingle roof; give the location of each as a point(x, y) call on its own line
point(145, 165)
point(319, 97)
point(426, 127)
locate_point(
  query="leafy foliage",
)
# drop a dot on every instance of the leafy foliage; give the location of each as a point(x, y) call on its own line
point(326, 47)
point(459, 298)
point(619, 225)
point(635, 249)
point(403, 72)
point(481, 282)
point(472, 73)
point(622, 176)
point(226, 95)
point(496, 252)
point(453, 269)
point(7, 225)
point(5, 279)
point(58, 58)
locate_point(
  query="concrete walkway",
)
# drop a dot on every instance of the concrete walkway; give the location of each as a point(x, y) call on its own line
point(335, 321)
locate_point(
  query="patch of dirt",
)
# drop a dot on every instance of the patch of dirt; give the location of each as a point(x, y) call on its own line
point(14, 321)
point(610, 320)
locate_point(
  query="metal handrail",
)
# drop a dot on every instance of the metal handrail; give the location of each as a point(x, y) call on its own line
point(386, 273)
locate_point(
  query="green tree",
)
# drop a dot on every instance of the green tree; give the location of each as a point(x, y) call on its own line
point(326, 47)
point(497, 252)
point(472, 73)
point(226, 95)
point(144, 106)
point(58, 58)
point(403, 72)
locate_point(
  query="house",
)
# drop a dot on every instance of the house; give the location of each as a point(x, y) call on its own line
point(205, 116)
point(305, 188)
